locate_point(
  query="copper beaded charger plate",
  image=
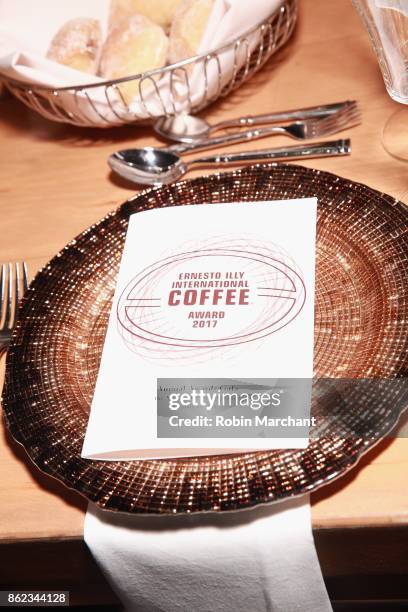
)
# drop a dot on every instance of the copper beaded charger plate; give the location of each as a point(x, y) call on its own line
point(360, 332)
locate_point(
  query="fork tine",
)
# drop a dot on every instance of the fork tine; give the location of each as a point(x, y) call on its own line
point(343, 122)
point(3, 302)
point(10, 290)
point(20, 286)
point(339, 119)
point(25, 277)
point(346, 122)
point(351, 106)
point(337, 122)
point(346, 117)
point(346, 110)
point(352, 112)
point(346, 113)
point(13, 285)
point(18, 289)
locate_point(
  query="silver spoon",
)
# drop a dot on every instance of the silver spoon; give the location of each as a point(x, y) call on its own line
point(188, 128)
point(151, 166)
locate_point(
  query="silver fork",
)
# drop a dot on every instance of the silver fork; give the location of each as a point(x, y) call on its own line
point(323, 126)
point(318, 127)
point(13, 285)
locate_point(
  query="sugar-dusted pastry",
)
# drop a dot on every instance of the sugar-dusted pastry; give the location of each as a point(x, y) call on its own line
point(160, 11)
point(188, 28)
point(77, 44)
point(134, 46)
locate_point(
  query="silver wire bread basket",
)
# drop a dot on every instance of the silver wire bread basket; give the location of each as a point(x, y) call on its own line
point(187, 86)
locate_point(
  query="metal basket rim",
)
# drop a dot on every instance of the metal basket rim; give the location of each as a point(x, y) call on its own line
point(150, 73)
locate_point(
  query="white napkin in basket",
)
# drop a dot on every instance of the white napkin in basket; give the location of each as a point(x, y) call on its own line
point(26, 29)
point(256, 560)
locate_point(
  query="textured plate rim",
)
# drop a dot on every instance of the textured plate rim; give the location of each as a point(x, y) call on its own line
point(348, 465)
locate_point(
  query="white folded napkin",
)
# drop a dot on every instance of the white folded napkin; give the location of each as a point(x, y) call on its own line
point(257, 560)
point(26, 30)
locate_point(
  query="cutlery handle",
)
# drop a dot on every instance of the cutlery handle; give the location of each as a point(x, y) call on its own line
point(293, 115)
point(320, 149)
point(208, 143)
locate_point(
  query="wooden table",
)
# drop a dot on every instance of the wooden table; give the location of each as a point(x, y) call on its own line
point(54, 182)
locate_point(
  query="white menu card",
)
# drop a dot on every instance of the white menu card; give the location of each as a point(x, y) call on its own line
point(211, 300)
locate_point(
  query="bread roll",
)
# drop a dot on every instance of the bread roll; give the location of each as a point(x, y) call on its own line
point(77, 44)
point(188, 27)
point(159, 11)
point(134, 46)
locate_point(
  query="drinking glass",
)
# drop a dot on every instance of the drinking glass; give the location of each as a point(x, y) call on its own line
point(387, 24)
